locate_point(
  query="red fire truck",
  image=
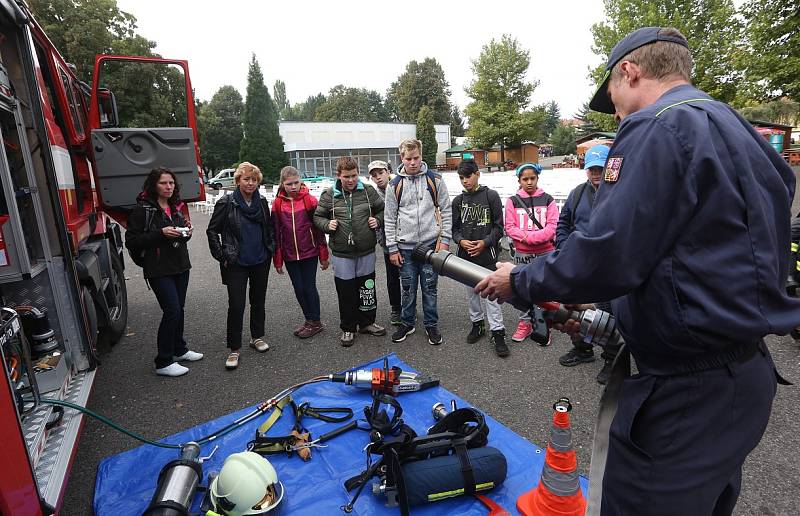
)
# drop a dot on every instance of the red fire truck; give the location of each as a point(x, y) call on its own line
point(70, 169)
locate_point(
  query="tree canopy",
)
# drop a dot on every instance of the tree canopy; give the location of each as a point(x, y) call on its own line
point(426, 133)
point(80, 29)
point(261, 144)
point(281, 101)
point(422, 84)
point(345, 104)
point(773, 38)
point(306, 111)
point(564, 140)
point(711, 27)
point(220, 122)
point(501, 94)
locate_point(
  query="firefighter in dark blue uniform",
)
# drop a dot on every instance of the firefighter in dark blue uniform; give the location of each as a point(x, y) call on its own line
point(688, 236)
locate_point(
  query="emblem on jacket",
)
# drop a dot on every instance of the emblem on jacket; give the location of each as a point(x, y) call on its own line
point(613, 166)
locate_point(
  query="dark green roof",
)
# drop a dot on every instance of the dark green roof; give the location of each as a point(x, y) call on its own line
point(456, 148)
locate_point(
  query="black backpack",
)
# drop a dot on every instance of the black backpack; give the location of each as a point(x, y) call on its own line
point(138, 256)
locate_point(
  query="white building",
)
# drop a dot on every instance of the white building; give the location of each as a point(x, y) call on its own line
point(314, 147)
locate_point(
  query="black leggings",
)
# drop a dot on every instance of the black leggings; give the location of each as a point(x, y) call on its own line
point(357, 302)
point(236, 278)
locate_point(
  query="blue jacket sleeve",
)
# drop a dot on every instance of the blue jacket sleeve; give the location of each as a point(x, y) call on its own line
point(564, 228)
point(635, 223)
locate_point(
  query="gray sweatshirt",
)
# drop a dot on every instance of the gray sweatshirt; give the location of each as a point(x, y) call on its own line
point(413, 221)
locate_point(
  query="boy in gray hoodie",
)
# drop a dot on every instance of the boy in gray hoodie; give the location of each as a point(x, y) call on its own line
point(417, 212)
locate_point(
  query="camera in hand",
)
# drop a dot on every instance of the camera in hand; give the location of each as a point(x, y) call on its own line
point(184, 231)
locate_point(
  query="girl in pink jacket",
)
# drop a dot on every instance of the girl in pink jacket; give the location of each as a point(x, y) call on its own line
point(530, 222)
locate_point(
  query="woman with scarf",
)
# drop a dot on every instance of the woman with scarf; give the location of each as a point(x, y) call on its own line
point(158, 232)
point(241, 238)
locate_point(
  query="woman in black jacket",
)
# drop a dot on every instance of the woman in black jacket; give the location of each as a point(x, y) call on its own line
point(157, 233)
point(242, 240)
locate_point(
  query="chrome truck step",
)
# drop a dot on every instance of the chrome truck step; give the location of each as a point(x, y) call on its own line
point(51, 450)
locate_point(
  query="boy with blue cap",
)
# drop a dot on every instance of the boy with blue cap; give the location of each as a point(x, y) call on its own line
point(575, 216)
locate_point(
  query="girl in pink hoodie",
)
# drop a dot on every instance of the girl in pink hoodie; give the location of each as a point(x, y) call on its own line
point(530, 222)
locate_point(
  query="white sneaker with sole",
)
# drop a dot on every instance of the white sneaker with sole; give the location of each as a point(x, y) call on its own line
point(259, 344)
point(232, 362)
point(174, 369)
point(189, 356)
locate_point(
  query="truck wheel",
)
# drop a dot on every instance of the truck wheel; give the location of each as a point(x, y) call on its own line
point(110, 334)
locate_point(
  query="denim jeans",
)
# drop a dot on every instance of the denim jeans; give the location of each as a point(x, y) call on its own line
point(170, 292)
point(303, 274)
point(411, 274)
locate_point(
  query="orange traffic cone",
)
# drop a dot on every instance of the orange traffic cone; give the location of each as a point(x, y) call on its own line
point(559, 491)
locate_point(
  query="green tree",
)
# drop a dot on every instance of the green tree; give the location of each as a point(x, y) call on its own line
point(352, 105)
point(456, 124)
point(563, 140)
point(422, 84)
point(426, 133)
point(552, 120)
point(781, 111)
point(773, 37)
point(306, 111)
point(500, 94)
point(262, 144)
point(220, 122)
point(282, 106)
point(147, 94)
point(594, 121)
point(711, 27)
point(80, 29)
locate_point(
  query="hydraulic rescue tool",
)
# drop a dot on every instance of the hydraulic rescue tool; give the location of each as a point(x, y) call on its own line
point(385, 380)
point(597, 326)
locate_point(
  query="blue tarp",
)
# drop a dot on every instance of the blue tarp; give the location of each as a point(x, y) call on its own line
point(126, 481)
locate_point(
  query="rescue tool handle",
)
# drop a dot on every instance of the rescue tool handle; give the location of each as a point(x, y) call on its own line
point(338, 431)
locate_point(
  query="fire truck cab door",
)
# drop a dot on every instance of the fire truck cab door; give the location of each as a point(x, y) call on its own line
point(131, 92)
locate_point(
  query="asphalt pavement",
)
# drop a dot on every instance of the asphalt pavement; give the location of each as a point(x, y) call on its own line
point(518, 391)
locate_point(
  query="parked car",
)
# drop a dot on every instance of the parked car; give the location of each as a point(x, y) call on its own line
point(223, 179)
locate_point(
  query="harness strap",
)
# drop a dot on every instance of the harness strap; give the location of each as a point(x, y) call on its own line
point(466, 466)
point(276, 414)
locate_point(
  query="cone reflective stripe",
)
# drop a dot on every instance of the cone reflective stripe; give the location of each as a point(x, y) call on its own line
point(559, 490)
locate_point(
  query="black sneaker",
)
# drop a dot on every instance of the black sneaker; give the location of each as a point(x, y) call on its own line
point(575, 357)
point(395, 318)
point(499, 341)
point(605, 373)
point(402, 332)
point(434, 337)
point(478, 330)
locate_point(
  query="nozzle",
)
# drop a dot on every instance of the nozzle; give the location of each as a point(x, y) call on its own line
point(447, 264)
point(438, 411)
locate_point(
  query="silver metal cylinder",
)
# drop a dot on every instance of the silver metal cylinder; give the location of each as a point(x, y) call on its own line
point(178, 483)
point(361, 378)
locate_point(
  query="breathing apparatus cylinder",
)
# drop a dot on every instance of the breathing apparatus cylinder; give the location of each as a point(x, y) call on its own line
point(597, 327)
point(177, 483)
point(438, 478)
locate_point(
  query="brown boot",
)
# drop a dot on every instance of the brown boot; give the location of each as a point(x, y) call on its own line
point(310, 329)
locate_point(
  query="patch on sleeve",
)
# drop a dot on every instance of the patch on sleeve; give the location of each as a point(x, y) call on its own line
point(613, 167)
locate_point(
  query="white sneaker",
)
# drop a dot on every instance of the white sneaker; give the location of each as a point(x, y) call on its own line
point(174, 369)
point(189, 356)
point(259, 344)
